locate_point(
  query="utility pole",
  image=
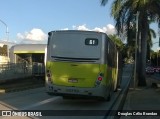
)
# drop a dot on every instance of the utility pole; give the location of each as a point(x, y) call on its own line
point(159, 31)
point(159, 41)
point(135, 61)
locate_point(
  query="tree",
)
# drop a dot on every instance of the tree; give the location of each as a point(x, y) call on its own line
point(119, 44)
point(3, 50)
point(151, 35)
point(117, 41)
point(123, 11)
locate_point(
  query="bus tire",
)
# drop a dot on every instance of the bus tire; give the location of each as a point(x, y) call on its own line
point(111, 89)
point(49, 93)
point(107, 97)
point(115, 86)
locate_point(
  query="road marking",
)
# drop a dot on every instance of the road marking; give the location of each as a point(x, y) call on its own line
point(41, 103)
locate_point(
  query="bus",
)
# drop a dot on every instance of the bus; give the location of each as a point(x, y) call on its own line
point(81, 63)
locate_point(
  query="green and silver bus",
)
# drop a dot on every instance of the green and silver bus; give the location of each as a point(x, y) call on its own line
point(81, 63)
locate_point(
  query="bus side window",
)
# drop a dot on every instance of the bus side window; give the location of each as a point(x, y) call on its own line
point(109, 55)
point(49, 37)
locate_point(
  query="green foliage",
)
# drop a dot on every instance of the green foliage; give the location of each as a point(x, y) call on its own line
point(120, 45)
point(117, 41)
point(3, 50)
point(124, 13)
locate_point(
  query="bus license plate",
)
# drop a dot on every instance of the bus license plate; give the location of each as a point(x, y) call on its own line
point(73, 80)
point(72, 90)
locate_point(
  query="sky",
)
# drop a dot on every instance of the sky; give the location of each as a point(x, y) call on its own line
point(29, 21)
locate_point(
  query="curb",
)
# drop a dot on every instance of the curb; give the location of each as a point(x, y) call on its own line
point(2, 91)
point(118, 106)
point(20, 85)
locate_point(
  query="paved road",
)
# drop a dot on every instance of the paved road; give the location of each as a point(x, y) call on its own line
point(38, 100)
point(156, 76)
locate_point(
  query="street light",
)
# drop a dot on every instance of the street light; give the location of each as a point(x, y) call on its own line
point(7, 35)
point(7, 32)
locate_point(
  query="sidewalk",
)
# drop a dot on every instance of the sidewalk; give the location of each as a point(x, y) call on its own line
point(142, 99)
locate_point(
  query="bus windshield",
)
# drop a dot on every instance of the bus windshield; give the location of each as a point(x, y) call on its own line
point(75, 46)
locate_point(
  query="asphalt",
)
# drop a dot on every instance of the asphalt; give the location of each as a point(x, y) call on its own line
point(143, 102)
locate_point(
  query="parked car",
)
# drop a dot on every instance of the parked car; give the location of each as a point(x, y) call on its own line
point(150, 70)
point(157, 69)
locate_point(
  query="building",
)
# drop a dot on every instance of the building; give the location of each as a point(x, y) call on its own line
point(30, 56)
point(28, 53)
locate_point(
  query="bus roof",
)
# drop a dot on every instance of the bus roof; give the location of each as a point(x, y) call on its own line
point(76, 31)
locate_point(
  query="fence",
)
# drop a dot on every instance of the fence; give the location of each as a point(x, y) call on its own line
point(38, 69)
point(20, 70)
